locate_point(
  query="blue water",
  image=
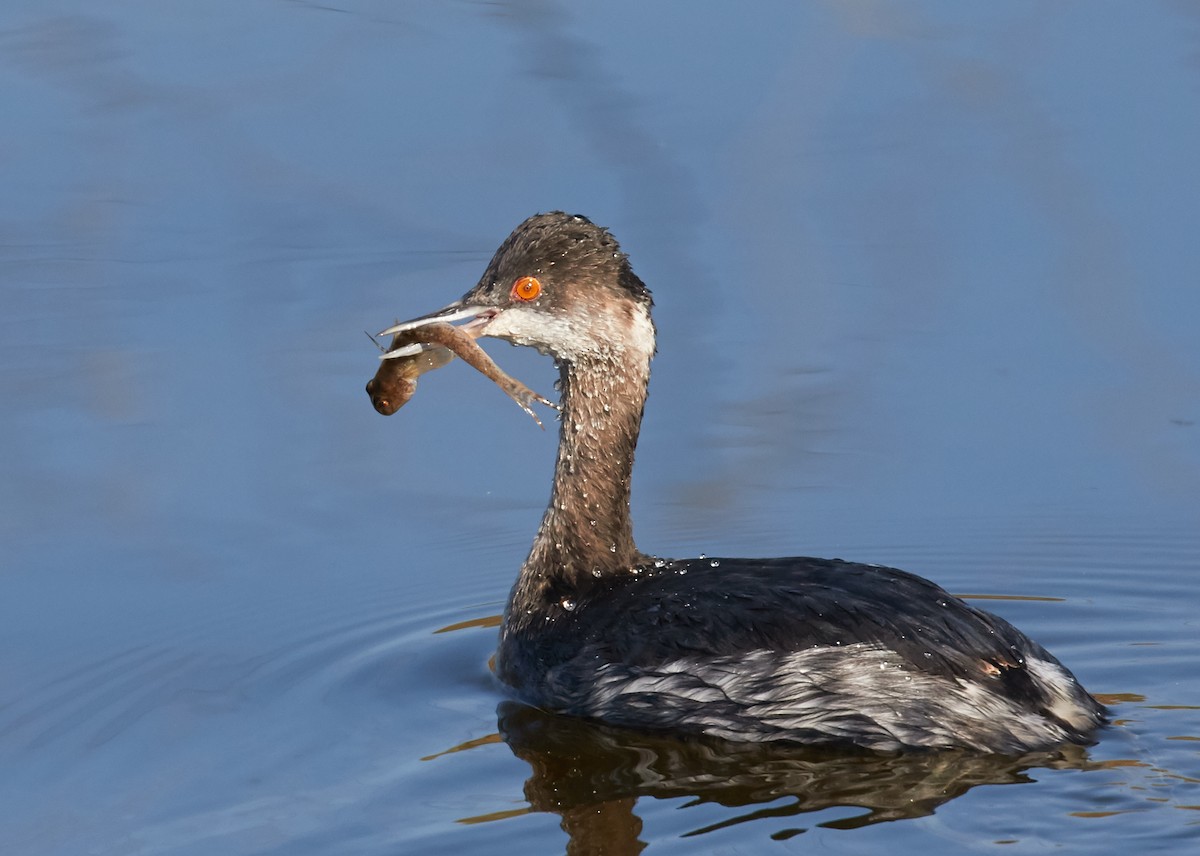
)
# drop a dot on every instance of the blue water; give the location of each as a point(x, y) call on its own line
point(927, 289)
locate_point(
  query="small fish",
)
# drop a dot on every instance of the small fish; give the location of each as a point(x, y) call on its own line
point(396, 380)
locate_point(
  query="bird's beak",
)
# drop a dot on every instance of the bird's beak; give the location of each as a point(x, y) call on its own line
point(479, 317)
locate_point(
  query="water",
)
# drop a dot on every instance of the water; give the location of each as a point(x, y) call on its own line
point(926, 288)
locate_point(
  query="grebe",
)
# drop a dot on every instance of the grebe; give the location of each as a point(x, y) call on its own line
point(797, 649)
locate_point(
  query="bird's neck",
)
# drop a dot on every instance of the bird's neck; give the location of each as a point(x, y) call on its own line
point(586, 532)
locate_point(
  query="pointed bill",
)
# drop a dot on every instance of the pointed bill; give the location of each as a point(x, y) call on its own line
point(454, 312)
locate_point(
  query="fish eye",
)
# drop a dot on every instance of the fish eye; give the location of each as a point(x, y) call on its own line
point(526, 288)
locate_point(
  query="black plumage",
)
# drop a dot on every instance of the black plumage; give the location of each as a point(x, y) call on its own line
point(720, 606)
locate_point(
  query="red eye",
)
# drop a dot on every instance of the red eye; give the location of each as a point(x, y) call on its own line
point(526, 288)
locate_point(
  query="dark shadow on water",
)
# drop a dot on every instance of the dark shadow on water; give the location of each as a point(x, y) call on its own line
point(591, 776)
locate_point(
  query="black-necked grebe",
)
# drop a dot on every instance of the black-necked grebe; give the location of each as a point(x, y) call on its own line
point(800, 649)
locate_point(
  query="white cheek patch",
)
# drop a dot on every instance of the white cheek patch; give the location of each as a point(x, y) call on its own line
point(522, 325)
point(641, 332)
point(604, 335)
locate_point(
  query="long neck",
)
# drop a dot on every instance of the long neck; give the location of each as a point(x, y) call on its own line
point(586, 532)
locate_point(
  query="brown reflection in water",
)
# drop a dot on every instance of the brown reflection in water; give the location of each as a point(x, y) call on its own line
point(495, 815)
point(591, 775)
point(486, 621)
point(1111, 699)
point(488, 740)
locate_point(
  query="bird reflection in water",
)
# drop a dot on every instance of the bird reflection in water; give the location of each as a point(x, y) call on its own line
point(591, 775)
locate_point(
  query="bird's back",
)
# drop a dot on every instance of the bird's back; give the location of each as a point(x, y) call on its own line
point(793, 648)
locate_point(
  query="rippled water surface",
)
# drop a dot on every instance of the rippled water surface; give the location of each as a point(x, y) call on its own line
point(927, 286)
